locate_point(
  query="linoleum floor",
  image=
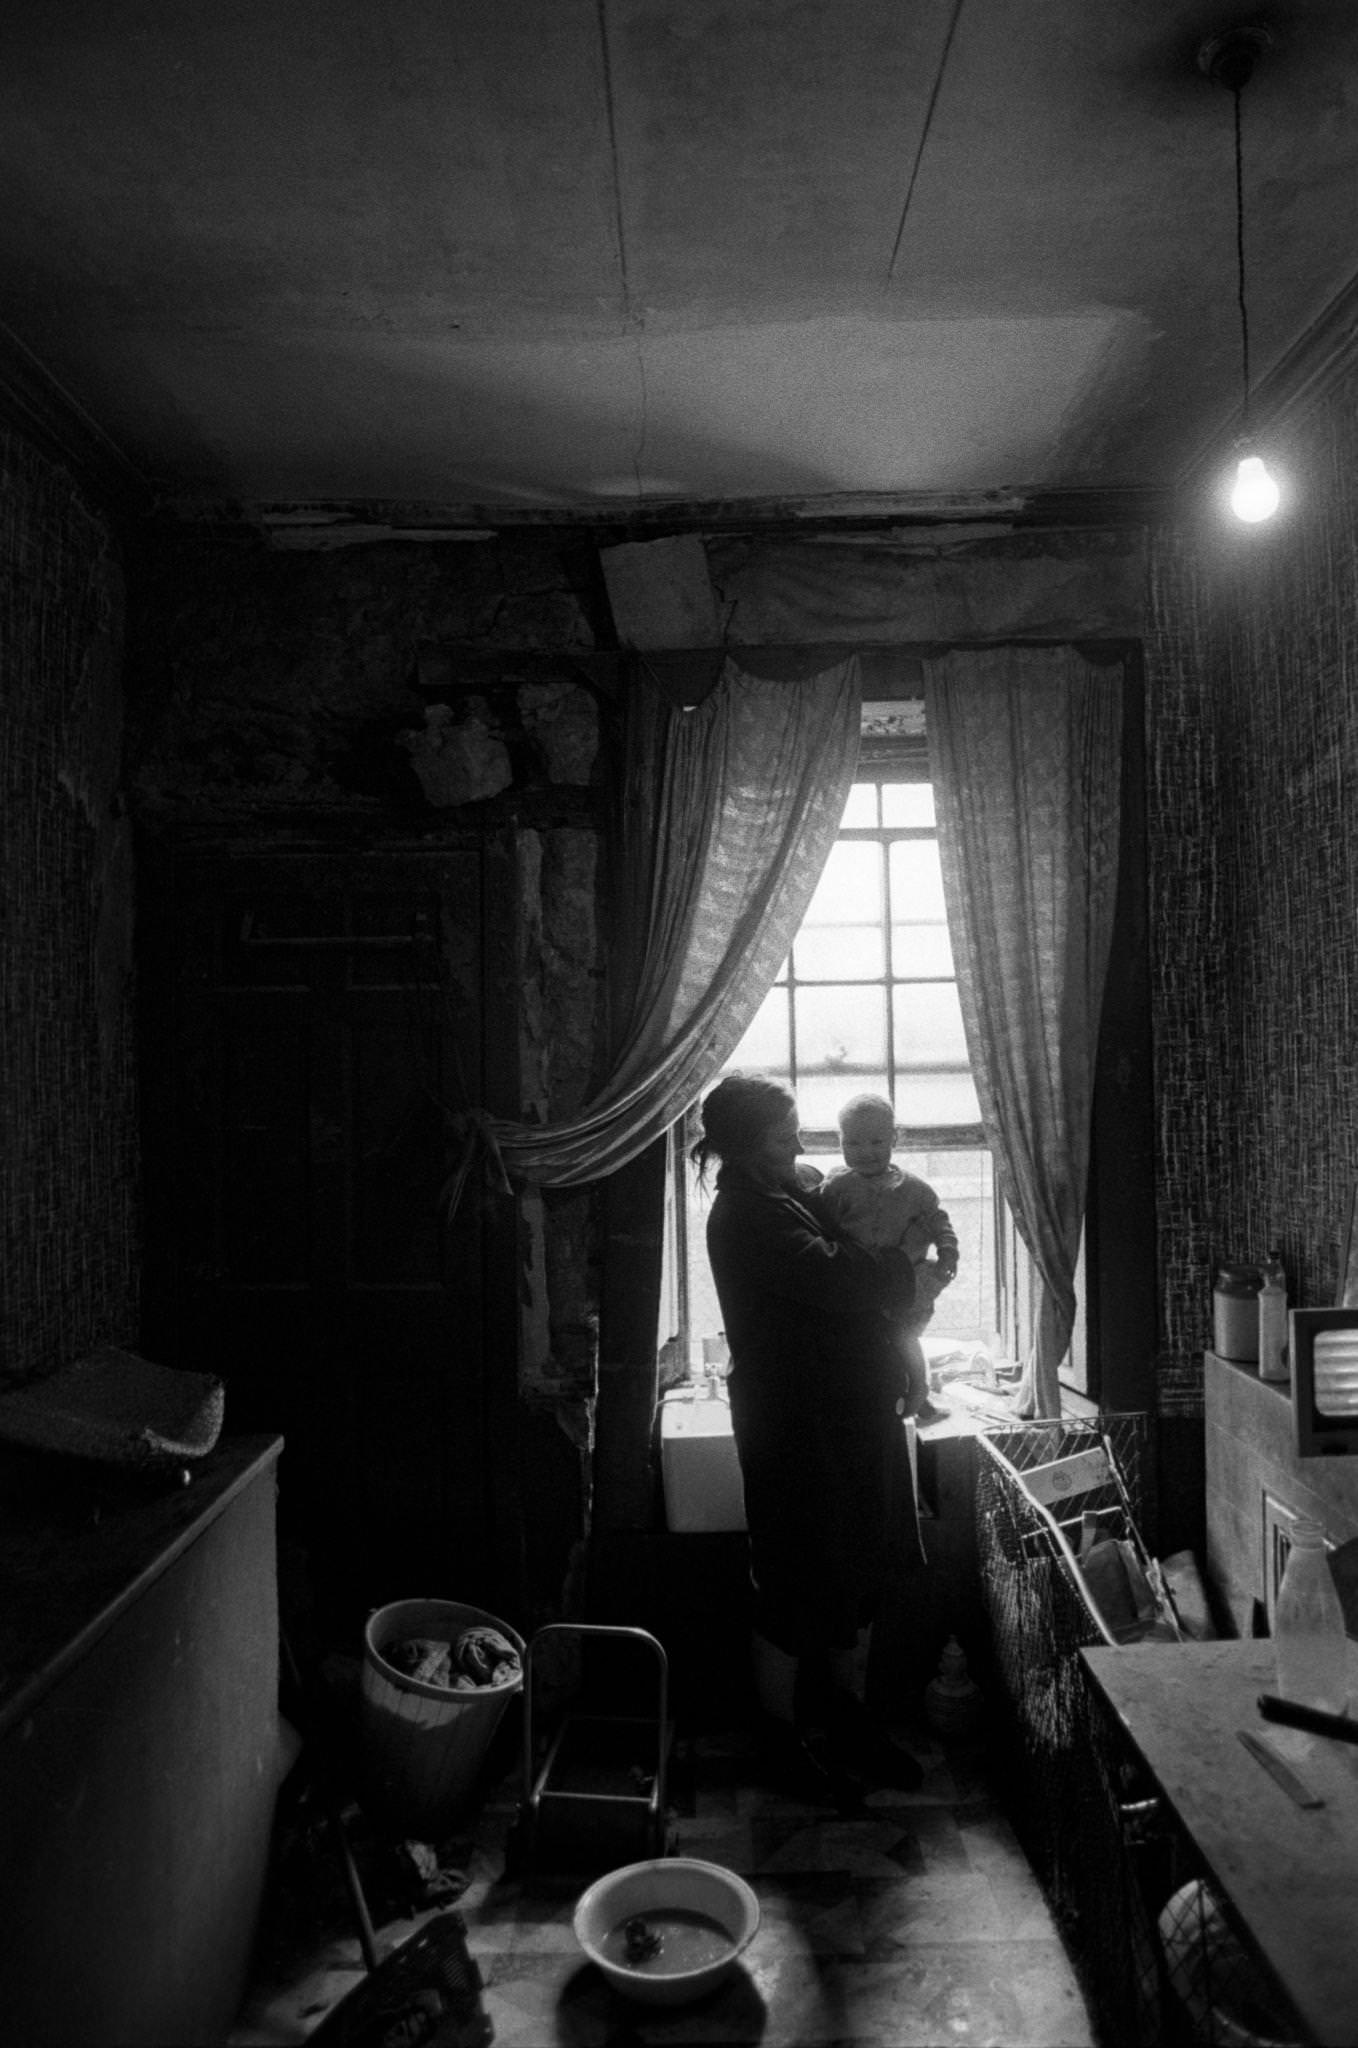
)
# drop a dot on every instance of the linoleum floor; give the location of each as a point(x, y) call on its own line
point(915, 1924)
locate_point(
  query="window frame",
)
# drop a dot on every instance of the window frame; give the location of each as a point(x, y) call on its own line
point(1114, 1348)
point(895, 759)
point(884, 768)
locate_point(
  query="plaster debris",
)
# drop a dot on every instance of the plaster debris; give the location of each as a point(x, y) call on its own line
point(458, 760)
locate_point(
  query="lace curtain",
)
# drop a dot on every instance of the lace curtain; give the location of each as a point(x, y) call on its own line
point(1026, 752)
point(729, 813)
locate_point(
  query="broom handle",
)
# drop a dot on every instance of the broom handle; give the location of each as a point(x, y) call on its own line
point(320, 1778)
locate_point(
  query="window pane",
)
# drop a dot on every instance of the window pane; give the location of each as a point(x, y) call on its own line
point(821, 1097)
point(841, 1028)
point(922, 950)
point(925, 1099)
point(963, 1182)
point(917, 881)
point(850, 890)
point(861, 809)
point(928, 1019)
point(851, 954)
point(907, 803)
point(765, 1044)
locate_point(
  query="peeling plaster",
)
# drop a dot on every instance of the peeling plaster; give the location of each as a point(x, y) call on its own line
point(558, 970)
point(575, 1419)
point(535, 1344)
point(563, 721)
point(569, 966)
point(532, 1029)
point(458, 760)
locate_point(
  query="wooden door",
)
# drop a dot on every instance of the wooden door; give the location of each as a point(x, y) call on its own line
point(327, 1020)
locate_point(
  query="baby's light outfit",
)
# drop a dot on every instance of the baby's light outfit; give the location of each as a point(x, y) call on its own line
point(894, 1208)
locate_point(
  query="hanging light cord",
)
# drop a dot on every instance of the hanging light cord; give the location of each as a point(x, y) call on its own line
point(1240, 270)
point(1229, 60)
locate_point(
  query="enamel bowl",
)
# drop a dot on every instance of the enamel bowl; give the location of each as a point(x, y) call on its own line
point(682, 1886)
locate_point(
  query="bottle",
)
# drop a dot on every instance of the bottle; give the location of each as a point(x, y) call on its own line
point(1273, 1319)
point(1235, 1314)
point(1310, 1646)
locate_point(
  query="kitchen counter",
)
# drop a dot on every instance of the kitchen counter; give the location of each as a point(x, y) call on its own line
point(78, 1541)
point(1290, 1873)
point(139, 1744)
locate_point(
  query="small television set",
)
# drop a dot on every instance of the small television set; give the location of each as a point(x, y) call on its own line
point(1323, 1349)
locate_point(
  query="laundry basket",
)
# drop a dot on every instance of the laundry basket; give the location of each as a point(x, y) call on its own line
point(422, 1746)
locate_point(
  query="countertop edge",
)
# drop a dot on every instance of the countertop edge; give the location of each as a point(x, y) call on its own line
point(30, 1689)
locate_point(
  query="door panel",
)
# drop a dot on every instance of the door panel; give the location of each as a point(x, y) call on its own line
point(327, 1018)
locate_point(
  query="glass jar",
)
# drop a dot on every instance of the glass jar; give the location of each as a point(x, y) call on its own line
point(1235, 1314)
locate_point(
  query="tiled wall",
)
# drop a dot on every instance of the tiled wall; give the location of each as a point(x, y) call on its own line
point(1253, 727)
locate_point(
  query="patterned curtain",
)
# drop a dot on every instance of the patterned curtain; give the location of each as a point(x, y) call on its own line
point(730, 810)
point(1026, 752)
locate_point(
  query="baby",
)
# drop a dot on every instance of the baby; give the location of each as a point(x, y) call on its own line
point(878, 1203)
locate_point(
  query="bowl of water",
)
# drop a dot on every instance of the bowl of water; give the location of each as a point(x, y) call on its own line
point(668, 1930)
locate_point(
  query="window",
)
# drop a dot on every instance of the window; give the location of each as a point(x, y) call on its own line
point(867, 1001)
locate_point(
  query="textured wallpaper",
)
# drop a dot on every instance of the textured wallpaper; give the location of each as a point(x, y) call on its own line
point(1252, 664)
point(68, 1182)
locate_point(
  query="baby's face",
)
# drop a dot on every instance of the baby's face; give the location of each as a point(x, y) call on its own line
point(867, 1143)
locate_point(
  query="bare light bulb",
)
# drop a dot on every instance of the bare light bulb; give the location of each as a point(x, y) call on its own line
point(1255, 494)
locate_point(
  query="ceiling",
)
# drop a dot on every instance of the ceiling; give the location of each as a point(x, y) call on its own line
point(595, 256)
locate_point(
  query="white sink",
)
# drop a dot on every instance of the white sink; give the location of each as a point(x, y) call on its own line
point(703, 1490)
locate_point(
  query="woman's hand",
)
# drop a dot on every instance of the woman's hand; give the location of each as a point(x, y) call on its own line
point(934, 1275)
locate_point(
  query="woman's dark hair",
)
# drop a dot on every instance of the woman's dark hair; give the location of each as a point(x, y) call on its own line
point(736, 1114)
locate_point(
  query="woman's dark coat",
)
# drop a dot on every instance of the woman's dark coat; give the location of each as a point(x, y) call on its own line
point(817, 1387)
